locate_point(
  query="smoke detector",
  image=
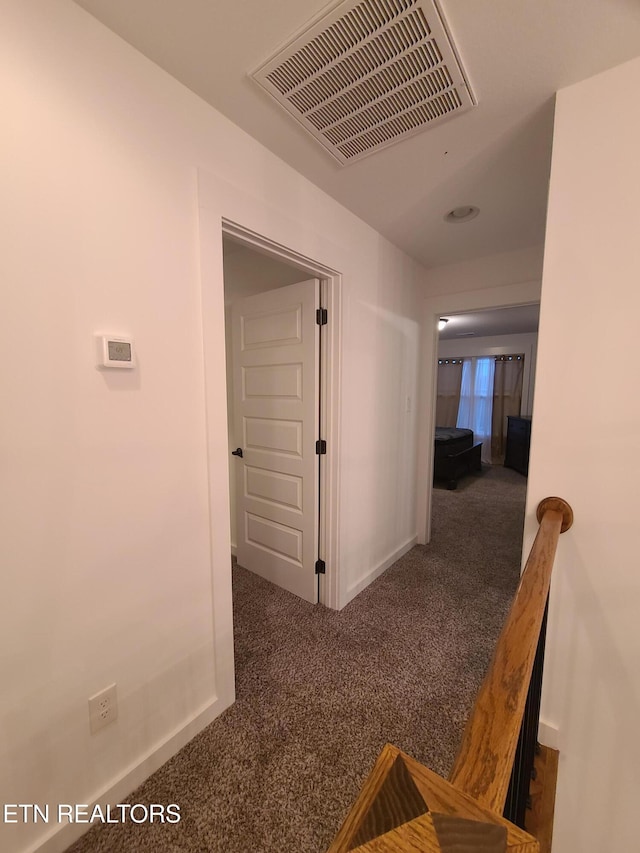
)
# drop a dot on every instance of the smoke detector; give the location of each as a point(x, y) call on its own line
point(368, 74)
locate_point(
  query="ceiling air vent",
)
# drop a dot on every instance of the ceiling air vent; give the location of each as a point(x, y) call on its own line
point(369, 74)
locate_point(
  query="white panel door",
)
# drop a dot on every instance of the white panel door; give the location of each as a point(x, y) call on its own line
point(276, 393)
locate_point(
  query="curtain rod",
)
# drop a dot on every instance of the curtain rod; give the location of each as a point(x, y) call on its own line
point(457, 360)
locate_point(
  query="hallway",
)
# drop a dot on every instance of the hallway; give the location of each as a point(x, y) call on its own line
point(319, 693)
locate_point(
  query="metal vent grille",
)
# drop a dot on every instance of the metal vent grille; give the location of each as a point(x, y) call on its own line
point(369, 74)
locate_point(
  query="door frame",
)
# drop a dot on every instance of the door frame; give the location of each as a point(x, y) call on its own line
point(329, 366)
point(503, 296)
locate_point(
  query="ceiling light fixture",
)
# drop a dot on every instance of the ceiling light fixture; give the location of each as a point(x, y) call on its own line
point(465, 213)
point(442, 323)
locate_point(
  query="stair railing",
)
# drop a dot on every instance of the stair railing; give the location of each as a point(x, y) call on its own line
point(393, 812)
point(485, 758)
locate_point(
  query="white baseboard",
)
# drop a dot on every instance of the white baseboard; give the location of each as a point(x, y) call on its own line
point(234, 550)
point(62, 836)
point(548, 735)
point(376, 571)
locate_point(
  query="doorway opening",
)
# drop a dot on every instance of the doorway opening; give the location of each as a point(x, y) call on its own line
point(485, 375)
point(282, 334)
point(485, 324)
point(481, 415)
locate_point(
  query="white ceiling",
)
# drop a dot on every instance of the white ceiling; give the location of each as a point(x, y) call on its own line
point(247, 272)
point(498, 321)
point(517, 53)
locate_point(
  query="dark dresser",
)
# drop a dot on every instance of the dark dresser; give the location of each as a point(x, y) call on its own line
point(518, 442)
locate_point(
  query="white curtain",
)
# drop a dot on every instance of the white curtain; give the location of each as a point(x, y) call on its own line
point(476, 401)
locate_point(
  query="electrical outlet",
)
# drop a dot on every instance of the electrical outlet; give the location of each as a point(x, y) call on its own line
point(103, 708)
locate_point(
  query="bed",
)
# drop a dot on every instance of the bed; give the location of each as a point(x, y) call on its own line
point(455, 455)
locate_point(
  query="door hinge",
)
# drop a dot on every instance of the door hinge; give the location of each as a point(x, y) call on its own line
point(321, 316)
point(321, 567)
point(321, 446)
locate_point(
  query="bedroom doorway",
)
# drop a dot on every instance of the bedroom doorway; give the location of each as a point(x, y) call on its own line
point(484, 376)
point(281, 487)
point(485, 365)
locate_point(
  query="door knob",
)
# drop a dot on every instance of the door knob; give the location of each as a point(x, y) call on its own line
point(237, 452)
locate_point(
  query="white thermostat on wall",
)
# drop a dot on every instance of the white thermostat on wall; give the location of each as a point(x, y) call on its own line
point(115, 352)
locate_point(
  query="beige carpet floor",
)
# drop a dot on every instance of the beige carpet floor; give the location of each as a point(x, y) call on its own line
point(320, 692)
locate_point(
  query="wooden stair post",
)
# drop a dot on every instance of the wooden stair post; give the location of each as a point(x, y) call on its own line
point(404, 806)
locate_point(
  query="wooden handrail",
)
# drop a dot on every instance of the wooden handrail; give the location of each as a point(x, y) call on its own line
point(483, 765)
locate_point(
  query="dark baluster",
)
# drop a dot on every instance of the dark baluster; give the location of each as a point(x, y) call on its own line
point(518, 795)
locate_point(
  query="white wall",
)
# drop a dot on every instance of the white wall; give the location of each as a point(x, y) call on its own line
point(501, 270)
point(113, 519)
point(500, 345)
point(586, 448)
